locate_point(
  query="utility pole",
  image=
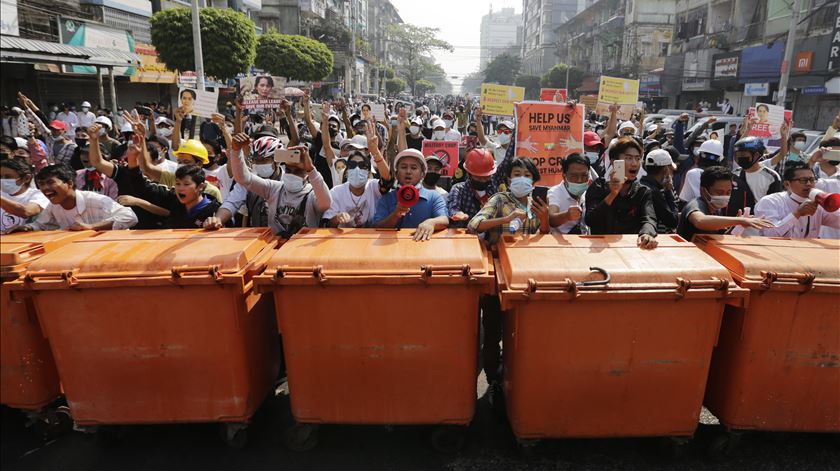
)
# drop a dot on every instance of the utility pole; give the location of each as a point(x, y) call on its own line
point(199, 60)
point(352, 50)
point(791, 38)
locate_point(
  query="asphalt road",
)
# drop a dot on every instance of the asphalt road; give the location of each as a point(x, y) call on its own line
point(490, 446)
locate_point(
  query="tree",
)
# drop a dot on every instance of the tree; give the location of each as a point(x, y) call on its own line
point(423, 86)
point(228, 45)
point(389, 72)
point(503, 69)
point(394, 85)
point(472, 83)
point(531, 84)
point(414, 44)
point(292, 56)
point(556, 78)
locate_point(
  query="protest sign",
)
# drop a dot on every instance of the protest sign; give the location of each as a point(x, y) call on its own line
point(548, 132)
point(198, 102)
point(261, 92)
point(378, 111)
point(591, 101)
point(446, 151)
point(499, 99)
point(770, 119)
point(548, 94)
point(617, 91)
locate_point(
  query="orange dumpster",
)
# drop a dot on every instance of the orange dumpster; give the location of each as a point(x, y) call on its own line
point(28, 378)
point(378, 328)
point(603, 339)
point(777, 364)
point(160, 326)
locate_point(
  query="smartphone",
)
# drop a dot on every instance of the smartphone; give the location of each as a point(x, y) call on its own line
point(832, 156)
point(540, 192)
point(618, 168)
point(143, 111)
point(287, 156)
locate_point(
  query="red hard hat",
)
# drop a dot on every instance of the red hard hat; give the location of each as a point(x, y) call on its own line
point(480, 162)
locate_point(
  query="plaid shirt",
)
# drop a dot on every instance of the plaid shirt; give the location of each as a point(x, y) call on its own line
point(501, 205)
point(63, 152)
point(463, 197)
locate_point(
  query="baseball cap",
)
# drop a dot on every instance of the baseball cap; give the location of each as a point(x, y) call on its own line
point(506, 123)
point(592, 139)
point(265, 130)
point(56, 124)
point(659, 158)
point(358, 142)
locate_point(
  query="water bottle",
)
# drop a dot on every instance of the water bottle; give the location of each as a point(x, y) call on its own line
point(515, 225)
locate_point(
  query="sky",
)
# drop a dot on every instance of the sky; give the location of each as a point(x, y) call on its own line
point(459, 22)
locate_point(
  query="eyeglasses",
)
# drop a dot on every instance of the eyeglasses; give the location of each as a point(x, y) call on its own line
point(804, 180)
point(351, 164)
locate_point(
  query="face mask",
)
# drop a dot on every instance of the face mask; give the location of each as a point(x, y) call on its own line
point(799, 145)
point(577, 189)
point(164, 132)
point(719, 201)
point(58, 139)
point(292, 183)
point(695, 152)
point(414, 129)
point(264, 170)
point(439, 135)
point(104, 131)
point(448, 123)
point(744, 162)
point(431, 178)
point(333, 132)
point(521, 186)
point(229, 129)
point(393, 122)
point(504, 139)
point(90, 169)
point(593, 157)
point(81, 142)
point(472, 132)
point(357, 177)
point(9, 186)
point(479, 186)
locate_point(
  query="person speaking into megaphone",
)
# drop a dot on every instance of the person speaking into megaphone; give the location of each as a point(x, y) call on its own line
point(799, 212)
point(411, 206)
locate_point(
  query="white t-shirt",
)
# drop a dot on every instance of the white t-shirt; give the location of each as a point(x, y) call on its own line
point(360, 208)
point(691, 185)
point(559, 196)
point(31, 195)
point(168, 165)
point(760, 181)
point(452, 135)
point(220, 179)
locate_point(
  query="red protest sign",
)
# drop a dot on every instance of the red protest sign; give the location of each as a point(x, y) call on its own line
point(547, 133)
point(446, 151)
point(549, 94)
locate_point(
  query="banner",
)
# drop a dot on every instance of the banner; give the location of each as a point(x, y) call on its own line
point(617, 91)
point(547, 133)
point(591, 101)
point(499, 99)
point(446, 151)
point(197, 102)
point(547, 94)
point(151, 69)
point(378, 112)
point(770, 119)
point(261, 92)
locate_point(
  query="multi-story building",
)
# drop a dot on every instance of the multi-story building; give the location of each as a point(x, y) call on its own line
point(500, 30)
point(540, 19)
point(721, 47)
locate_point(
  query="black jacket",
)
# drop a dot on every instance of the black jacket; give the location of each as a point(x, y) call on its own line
point(665, 205)
point(629, 214)
point(165, 197)
point(742, 196)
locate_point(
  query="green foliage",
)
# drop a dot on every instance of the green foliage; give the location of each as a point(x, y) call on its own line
point(414, 44)
point(389, 72)
point(423, 86)
point(531, 84)
point(228, 44)
point(394, 85)
point(292, 56)
point(503, 69)
point(556, 78)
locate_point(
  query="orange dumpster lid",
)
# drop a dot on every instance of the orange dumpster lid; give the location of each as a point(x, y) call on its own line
point(24, 247)
point(752, 257)
point(150, 253)
point(555, 259)
point(379, 252)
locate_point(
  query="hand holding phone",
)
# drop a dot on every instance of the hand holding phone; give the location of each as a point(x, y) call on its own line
point(540, 192)
point(287, 156)
point(618, 168)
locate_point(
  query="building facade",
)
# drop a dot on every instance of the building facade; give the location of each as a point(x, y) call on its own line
point(500, 30)
point(540, 19)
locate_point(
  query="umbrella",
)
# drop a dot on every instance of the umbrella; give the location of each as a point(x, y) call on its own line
point(292, 91)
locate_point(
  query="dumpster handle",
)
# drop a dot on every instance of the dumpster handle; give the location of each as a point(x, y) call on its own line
point(68, 276)
point(567, 284)
point(317, 272)
point(770, 277)
point(605, 281)
point(212, 270)
point(684, 285)
point(429, 270)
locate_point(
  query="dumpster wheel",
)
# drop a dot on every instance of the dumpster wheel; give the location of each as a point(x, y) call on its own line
point(234, 434)
point(675, 448)
point(301, 437)
point(448, 438)
point(723, 447)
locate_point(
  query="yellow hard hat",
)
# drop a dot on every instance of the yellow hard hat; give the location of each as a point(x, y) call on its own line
point(195, 148)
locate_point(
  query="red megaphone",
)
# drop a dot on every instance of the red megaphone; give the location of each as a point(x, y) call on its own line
point(408, 196)
point(829, 201)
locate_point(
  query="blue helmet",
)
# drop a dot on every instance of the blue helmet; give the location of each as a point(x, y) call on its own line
point(750, 143)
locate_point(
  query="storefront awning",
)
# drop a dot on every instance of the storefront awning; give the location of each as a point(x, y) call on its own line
point(31, 51)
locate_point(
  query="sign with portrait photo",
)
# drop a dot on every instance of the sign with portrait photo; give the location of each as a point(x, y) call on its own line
point(262, 92)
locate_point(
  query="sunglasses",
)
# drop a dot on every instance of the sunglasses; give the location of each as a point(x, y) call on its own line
point(504, 131)
point(351, 164)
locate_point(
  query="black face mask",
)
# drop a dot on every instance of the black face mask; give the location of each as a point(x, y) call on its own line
point(479, 186)
point(745, 162)
point(4, 155)
point(333, 132)
point(81, 142)
point(431, 179)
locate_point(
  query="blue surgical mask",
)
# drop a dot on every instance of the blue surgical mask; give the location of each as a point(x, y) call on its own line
point(9, 186)
point(576, 189)
point(593, 157)
point(357, 177)
point(521, 186)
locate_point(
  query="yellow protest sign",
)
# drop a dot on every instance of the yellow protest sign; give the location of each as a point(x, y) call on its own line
point(617, 91)
point(499, 99)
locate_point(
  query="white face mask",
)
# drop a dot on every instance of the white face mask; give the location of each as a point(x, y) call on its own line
point(229, 129)
point(439, 135)
point(719, 201)
point(414, 130)
point(9, 186)
point(90, 169)
point(799, 145)
point(85, 109)
point(264, 170)
point(164, 132)
point(504, 139)
point(292, 183)
point(448, 123)
point(357, 177)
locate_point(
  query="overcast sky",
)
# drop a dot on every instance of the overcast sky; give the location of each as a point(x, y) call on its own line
point(459, 22)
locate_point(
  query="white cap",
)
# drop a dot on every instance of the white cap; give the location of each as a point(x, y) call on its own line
point(164, 119)
point(626, 124)
point(21, 143)
point(357, 142)
point(104, 120)
point(417, 120)
point(506, 123)
point(712, 146)
point(85, 104)
point(438, 123)
point(659, 158)
point(126, 127)
point(411, 153)
point(651, 127)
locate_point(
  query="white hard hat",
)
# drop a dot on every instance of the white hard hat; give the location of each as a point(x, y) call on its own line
point(659, 158)
point(712, 146)
point(126, 127)
point(626, 125)
point(104, 120)
point(21, 143)
point(85, 104)
point(358, 142)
